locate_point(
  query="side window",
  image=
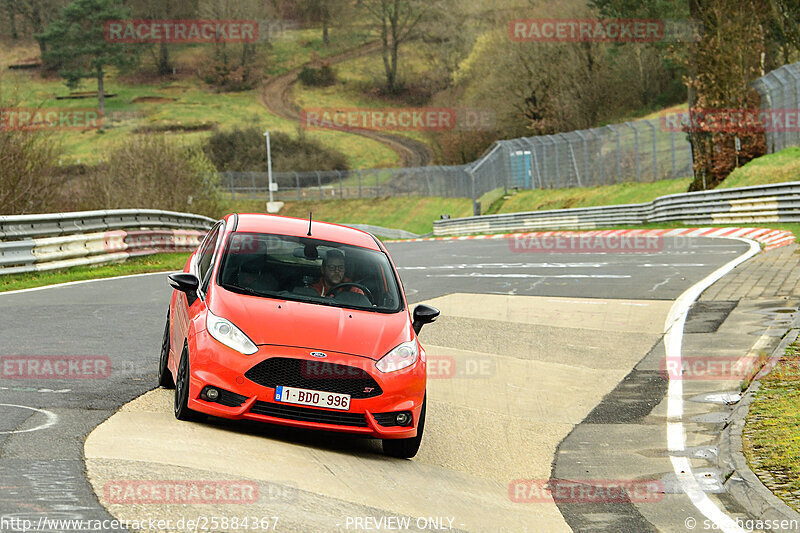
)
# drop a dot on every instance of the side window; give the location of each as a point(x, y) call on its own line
point(206, 254)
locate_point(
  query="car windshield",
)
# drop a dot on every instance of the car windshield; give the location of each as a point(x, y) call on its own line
point(309, 270)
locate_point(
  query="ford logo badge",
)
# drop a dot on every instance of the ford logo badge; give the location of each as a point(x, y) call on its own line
point(320, 355)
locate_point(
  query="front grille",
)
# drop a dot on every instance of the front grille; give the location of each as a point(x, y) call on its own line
point(305, 414)
point(314, 375)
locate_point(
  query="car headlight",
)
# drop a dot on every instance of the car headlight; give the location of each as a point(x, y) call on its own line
point(399, 358)
point(229, 335)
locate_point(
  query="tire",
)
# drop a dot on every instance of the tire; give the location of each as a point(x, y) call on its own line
point(182, 411)
point(164, 375)
point(407, 448)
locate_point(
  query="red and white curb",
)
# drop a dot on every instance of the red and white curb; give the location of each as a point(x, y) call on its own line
point(770, 238)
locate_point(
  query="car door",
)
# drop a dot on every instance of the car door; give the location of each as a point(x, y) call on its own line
point(202, 266)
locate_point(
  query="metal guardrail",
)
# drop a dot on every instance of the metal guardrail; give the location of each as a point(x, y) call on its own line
point(32, 243)
point(764, 203)
point(389, 233)
point(53, 224)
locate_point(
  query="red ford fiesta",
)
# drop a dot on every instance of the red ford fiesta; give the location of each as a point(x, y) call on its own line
point(300, 323)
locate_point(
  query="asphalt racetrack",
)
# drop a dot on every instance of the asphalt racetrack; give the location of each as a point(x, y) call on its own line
point(528, 346)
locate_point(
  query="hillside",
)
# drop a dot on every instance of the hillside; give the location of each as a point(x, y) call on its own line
point(439, 66)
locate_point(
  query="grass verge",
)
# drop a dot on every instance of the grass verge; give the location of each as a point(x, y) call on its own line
point(772, 431)
point(166, 262)
point(779, 167)
point(409, 213)
point(621, 193)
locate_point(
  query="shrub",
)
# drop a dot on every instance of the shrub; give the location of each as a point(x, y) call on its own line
point(242, 150)
point(234, 69)
point(28, 165)
point(464, 146)
point(324, 76)
point(230, 78)
point(153, 172)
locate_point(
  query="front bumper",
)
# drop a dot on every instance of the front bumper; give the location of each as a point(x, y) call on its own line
point(216, 365)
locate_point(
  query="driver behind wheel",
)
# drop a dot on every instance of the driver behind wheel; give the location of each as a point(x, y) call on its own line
point(333, 267)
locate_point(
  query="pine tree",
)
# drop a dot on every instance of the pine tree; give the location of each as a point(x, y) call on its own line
point(78, 45)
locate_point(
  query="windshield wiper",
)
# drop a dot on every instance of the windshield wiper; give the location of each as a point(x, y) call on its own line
point(246, 290)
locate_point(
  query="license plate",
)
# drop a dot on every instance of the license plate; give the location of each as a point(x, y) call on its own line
point(331, 400)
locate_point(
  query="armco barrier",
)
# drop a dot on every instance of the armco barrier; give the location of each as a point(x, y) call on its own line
point(746, 205)
point(31, 243)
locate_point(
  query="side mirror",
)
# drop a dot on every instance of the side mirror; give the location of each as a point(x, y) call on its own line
point(186, 283)
point(424, 314)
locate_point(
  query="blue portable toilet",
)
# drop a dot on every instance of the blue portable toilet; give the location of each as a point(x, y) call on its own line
point(521, 169)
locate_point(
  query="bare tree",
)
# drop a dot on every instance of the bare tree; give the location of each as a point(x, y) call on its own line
point(722, 66)
point(235, 66)
point(36, 14)
point(10, 7)
point(449, 31)
point(163, 10)
point(397, 22)
point(784, 31)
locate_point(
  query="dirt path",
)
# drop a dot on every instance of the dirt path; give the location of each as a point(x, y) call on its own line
point(276, 96)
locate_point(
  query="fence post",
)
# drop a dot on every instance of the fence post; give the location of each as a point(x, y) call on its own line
point(599, 155)
point(319, 184)
point(297, 180)
point(557, 158)
point(635, 149)
point(341, 190)
point(672, 149)
point(551, 182)
point(766, 105)
point(585, 155)
point(784, 105)
point(535, 159)
point(655, 153)
point(572, 156)
point(795, 107)
point(428, 189)
point(619, 153)
point(780, 135)
point(476, 208)
point(359, 182)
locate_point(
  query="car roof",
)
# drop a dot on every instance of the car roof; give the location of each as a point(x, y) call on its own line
point(298, 227)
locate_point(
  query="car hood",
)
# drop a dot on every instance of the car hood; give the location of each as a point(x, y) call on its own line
point(316, 327)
